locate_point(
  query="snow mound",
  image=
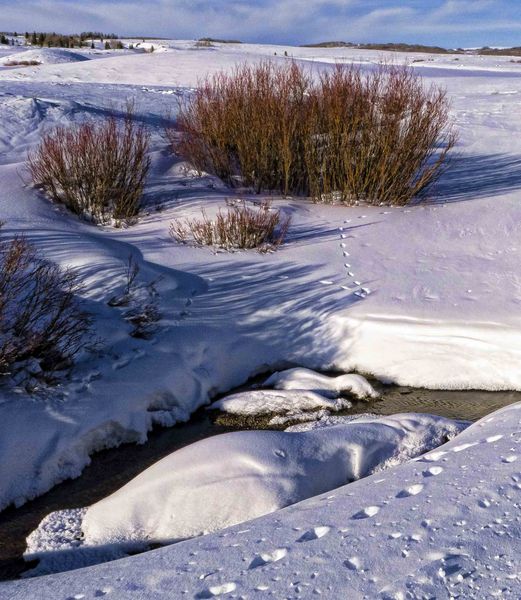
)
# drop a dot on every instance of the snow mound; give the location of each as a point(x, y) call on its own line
point(326, 420)
point(235, 477)
point(306, 379)
point(58, 531)
point(265, 402)
point(45, 56)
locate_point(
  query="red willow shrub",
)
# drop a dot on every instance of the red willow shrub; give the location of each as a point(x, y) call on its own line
point(240, 227)
point(40, 314)
point(98, 170)
point(379, 137)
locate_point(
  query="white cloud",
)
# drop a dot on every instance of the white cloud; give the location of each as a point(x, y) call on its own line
point(294, 21)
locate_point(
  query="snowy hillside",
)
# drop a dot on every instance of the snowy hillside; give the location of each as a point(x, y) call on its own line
point(427, 295)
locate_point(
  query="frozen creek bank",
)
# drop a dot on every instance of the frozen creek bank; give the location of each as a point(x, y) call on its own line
point(432, 527)
point(233, 478)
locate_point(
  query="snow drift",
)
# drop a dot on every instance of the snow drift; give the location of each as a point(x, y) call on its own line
point(44, 56)
point(238, 476)
point(306, 379)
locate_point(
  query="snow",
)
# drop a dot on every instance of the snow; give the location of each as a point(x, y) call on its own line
point(305, 379)
point(426, 295)
point(48, 56)
point(443, 525)
point(245, 474)
point(265, 402)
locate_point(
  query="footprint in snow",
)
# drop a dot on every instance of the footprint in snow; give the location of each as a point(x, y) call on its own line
point(217, 590)
point(353, 563)
point(314, 534)
point(462, 447)
point(369, 511)
point(509, 459)
point(413, 490)
point(433, 471)
point(433, 456)
point(271, 557)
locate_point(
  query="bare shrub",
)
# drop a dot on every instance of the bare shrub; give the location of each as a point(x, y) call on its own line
point(379, 137)
point(22, 63)
point(40, 316)
point(239, 227)
point(96, 170)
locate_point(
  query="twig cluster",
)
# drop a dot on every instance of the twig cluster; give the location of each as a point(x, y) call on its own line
point(238, 227)
point(40, 315)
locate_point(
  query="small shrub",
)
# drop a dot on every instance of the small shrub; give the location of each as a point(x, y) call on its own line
point(40, 315)
point(240, 227)
point(379, 137)
point(22, 63)
point(96, 170)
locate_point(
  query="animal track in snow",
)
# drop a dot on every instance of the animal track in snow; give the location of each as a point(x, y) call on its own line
point(462, 447)
point(509, 459)
point(314, 534)
point(433, 456)
point(369, 511)
point(413, 490)
point(353, 563)
point(271, 557)
point(218, 590)
point(433, 471)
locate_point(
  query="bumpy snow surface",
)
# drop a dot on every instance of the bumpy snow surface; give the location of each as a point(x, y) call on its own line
point(304, 379)
point(445, 525)
point(426, 295)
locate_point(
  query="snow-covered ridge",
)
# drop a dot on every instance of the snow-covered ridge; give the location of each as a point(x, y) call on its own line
point(45, 56)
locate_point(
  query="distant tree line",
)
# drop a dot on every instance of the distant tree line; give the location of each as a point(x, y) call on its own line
point(59, 40)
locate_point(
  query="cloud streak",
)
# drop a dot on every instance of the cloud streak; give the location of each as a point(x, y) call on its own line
point(442, 22)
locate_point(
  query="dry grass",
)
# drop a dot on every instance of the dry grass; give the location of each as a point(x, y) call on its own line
point(239, 227)
point(22, 63)
point(97, 170)
point(40, 316)
point(379, 137)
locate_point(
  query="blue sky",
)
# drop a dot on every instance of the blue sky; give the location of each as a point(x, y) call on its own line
point(441, 22)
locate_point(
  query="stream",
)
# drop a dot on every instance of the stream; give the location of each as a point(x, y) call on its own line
point(111, 469)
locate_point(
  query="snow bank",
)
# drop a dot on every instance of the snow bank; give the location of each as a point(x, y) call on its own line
point(305, 379)
point(45, 56)
point(266, 402)
point(443, 525)
point(236, 477)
